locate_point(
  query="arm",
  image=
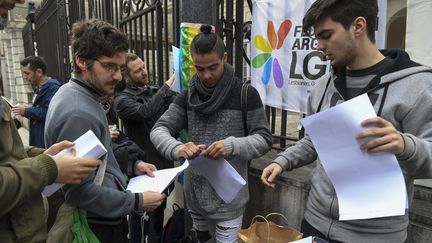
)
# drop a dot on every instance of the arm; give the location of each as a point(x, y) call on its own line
point(129, 108)
point(302, 153)
point(39, 112)
point(412, 145)
point(170, 123)
point(23, 179)
point(259, 138)
point(106, 201)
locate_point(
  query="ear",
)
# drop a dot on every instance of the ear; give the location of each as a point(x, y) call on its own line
point(225, 57)
point(39, 72)
point(359, 26)
point(81, 63)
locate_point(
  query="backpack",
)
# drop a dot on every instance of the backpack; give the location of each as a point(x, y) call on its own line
point(174, 229)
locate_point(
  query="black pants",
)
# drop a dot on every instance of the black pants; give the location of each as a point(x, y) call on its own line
point(111, 233)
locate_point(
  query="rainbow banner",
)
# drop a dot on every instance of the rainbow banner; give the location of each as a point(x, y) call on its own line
point(285, 64)
point(187, 70)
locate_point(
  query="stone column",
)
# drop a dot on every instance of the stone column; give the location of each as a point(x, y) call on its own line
point(198, 11)
point(15, 88)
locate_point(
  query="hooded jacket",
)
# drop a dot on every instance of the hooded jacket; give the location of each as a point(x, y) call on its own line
point(401, 94)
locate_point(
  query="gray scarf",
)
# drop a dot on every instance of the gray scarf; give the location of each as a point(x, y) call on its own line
point(205, 100)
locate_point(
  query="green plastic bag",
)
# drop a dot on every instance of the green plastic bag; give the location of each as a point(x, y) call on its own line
point(80, 228)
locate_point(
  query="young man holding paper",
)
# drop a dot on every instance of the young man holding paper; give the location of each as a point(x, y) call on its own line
point(211, 111)
point(98, 50)
point(400, 91)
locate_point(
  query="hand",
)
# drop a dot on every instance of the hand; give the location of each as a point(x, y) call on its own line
point(142, 168)
point(71, 170)
point(57, 147)
point(383, 136)
point(170, 81)
point(152, 200)
point(269, 174)
point(19, 109)
point(114, 135)
point(189, 150)
point(216, 151)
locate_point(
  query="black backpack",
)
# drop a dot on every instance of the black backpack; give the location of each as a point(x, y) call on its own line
point(174, 229)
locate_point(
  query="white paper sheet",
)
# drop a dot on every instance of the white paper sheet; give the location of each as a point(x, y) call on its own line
point(367, 185)
point(158, 183)
point(86, 146)
point(226, 181)
point(304, 240)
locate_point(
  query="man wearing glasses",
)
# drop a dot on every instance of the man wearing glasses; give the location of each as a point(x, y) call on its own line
point(99, 50)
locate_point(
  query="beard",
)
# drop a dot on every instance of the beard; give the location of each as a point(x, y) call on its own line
point(95, 81)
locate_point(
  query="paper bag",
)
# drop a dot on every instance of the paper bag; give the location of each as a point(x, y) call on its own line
point(268, 231)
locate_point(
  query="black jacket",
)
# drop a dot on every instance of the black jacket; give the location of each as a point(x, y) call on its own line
point(139, 108)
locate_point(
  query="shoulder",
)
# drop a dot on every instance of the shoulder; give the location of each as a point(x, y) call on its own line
point(181, 98)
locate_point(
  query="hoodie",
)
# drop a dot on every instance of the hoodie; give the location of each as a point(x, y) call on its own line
point(400, 94)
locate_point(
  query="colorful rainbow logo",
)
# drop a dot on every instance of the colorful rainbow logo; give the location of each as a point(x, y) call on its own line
point(274, 43)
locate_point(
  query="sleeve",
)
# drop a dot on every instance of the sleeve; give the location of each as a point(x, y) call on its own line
point(259, 139)
point(129, 108)
point(302, 153)
point(40, 112)
point(170, 123)
point(21, 180)
point(415, 161)
point(127, 155)
point(105, 201)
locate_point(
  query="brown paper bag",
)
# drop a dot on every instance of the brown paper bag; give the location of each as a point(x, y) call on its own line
point(268, 231)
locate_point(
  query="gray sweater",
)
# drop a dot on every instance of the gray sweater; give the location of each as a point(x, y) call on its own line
point(73, 111)
point(406, 104)
point(223, 124)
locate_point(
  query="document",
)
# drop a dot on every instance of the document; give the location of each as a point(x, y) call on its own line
point(368, 185)
point(158, 183)
point(86, 146)
point(226, 181)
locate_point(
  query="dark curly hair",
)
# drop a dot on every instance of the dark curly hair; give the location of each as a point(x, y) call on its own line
point(344, 12)
point(94, 38)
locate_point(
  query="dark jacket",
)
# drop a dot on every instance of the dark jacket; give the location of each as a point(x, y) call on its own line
point(22, 180)
point(140, 108)
point(37, 112)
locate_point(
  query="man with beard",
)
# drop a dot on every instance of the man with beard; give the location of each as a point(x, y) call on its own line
point(98, 50)
point(140, 106)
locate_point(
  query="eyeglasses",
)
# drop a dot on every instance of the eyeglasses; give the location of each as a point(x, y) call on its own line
point(109, 66)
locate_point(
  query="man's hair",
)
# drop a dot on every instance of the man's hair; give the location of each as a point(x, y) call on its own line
point(344, 12)
point(130, 57)
point(207, 42)
point(94, 38)
point(35, 63)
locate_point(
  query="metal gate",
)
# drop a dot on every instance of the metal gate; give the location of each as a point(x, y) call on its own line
point(146, 24)
point(51, 36)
